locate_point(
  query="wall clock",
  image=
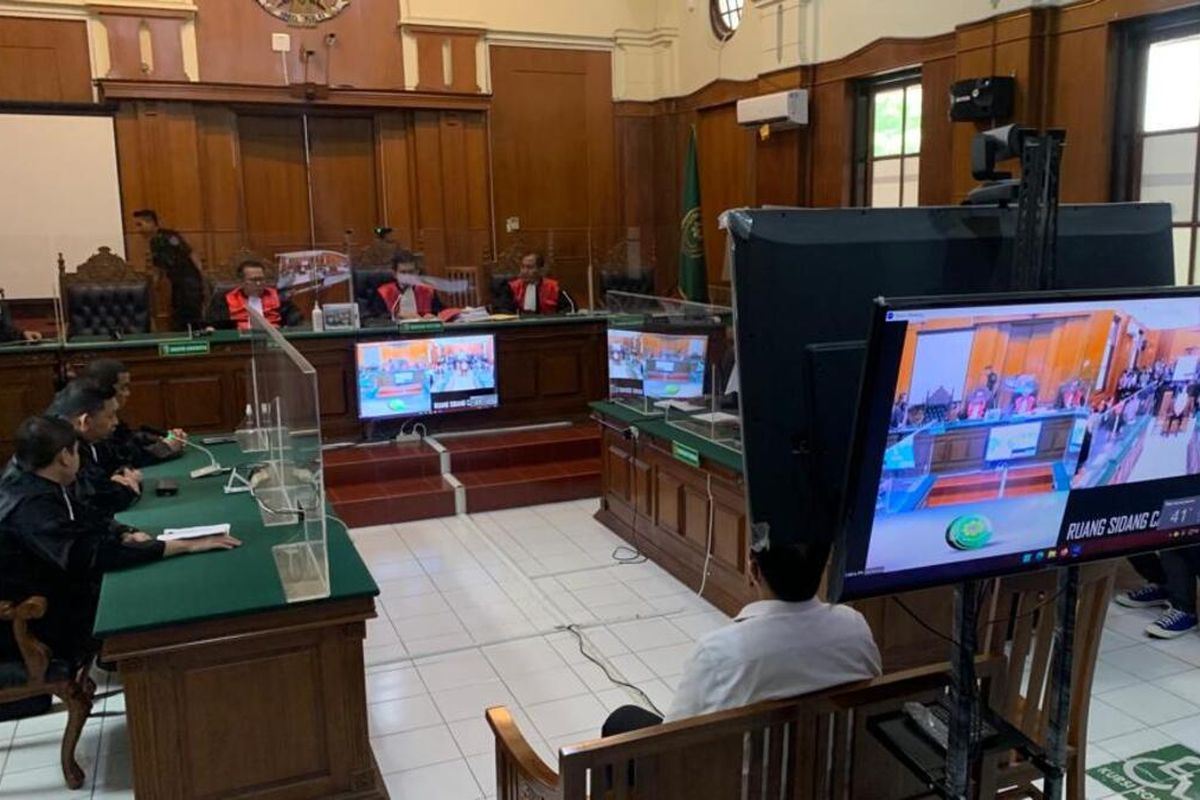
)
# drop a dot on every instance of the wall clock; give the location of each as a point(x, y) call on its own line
point(304, 12)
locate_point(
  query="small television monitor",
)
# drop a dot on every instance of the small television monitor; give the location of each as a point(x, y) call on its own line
point(1093, 452)
point(419, 377)
point(658, 365)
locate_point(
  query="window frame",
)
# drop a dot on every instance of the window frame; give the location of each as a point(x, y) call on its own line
point(863, 164)
point(1133, 53)
point(721, 28)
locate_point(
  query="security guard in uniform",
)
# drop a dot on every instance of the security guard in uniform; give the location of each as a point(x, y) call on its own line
point(171, 253)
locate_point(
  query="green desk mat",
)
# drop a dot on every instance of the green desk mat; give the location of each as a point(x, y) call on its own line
point(191, 588)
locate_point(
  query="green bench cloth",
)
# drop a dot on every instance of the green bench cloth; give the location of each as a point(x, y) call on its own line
point(190, 588)
point(655, 426)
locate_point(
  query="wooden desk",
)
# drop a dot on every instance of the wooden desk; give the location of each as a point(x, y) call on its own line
point(660, 504)
point(230, 691)
point(548, 368)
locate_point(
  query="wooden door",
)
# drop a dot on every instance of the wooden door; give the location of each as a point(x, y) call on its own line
point(342, 164)
point(275, 183)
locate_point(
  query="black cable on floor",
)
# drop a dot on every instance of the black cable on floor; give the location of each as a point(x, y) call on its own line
point(579, 636)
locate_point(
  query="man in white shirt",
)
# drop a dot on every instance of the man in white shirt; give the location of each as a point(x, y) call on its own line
point(786, 644)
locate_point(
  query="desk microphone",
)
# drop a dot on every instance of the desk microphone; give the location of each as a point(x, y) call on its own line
point(214, 467)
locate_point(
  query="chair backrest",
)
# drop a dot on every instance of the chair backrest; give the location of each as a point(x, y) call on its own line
point(105, 294)
point(365, 282)
point(812, 747)
point(1019, 625)
point(469, 294)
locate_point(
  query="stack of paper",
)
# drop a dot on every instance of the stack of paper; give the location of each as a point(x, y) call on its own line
point(198, 532)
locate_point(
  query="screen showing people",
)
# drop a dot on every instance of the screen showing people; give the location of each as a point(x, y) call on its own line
point(415, 377)
point(1013, 435)
point(658, 365)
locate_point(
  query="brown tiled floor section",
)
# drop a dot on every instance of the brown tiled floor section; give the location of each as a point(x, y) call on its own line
point(355, 465)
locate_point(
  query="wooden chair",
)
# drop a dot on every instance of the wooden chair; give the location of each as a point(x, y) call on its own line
point(811, 747)
point(105, 293)
point(1022, 614)
point(39, 673)
point(469, 295)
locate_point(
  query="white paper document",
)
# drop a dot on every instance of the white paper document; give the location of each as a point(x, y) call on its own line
point(198, 532)
point(679, 405)
point(717, 416)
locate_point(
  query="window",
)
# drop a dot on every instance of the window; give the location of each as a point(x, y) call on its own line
point(726, 16)
point(888, 142)
point(1158, 126)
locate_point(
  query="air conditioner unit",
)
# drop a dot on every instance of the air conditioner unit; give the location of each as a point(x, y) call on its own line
point(780, 110)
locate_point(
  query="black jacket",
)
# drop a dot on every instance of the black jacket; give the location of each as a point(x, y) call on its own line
point(53, 546)
point(94, 485)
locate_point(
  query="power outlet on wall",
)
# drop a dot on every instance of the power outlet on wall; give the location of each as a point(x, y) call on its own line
point(281, 42)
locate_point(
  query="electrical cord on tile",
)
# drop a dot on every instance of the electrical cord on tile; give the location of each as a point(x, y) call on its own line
point(574, 629)
point(635, 554)
point(708, 548)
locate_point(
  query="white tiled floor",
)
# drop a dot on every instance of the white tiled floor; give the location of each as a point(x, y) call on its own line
point(471, 615)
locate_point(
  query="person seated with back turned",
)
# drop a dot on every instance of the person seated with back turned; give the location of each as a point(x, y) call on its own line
point(231, 310)
point(54, 546)
point(404, 297)
point(532, 292)
point(141, 448)
point(785, 644)
point(103, 483)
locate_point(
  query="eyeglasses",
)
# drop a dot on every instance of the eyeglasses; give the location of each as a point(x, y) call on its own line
point(255, 280)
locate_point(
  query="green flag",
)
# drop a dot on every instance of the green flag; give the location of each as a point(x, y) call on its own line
point(693, 275)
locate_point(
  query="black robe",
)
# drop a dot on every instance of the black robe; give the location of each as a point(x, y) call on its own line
point(94, 485)
point(54, 546)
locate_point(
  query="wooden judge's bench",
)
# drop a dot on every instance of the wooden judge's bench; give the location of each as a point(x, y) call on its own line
point(656, 482)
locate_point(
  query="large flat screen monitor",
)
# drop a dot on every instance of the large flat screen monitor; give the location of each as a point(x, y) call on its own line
point(657, 365)
point(803, 283)
point(418, 377)
point(1005, 434)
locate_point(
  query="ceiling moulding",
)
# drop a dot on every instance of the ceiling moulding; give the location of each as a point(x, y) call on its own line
point(562, 41)
point(657, 37)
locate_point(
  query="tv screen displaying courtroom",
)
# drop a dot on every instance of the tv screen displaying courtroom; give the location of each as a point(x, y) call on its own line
point(416, 377)
point(658, 365)
point(1018, 434)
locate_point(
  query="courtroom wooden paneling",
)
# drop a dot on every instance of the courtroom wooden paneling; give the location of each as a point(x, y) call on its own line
point(233, 40)
point(274, 182)
point(446, 58)
point(936, 185)
point(277, 700)
point(726, 154)
point(554, 155)
point(545, 373)
point(26, 388)
point(343, 174)
point(44, 61)
point(1082, 98)
point(162, 57)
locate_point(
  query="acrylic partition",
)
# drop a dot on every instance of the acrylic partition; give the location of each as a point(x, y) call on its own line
point(290, 486)
point(675, 359)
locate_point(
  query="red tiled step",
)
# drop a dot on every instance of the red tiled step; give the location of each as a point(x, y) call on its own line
point(532, 484)
point(355, 465)
point(523, 448)
point(391, 501)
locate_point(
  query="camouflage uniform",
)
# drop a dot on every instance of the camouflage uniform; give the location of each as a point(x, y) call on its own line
point(171, 253)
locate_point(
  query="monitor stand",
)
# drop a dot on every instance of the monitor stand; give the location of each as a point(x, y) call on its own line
point(968, 709)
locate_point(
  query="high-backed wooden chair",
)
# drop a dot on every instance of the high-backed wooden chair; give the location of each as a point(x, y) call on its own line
point(811, 747)
point(1021, 613)
point(105, 294)
point(469, 295)
point(39, 673)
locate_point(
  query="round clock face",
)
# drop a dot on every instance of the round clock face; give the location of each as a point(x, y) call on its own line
point(304, 12)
